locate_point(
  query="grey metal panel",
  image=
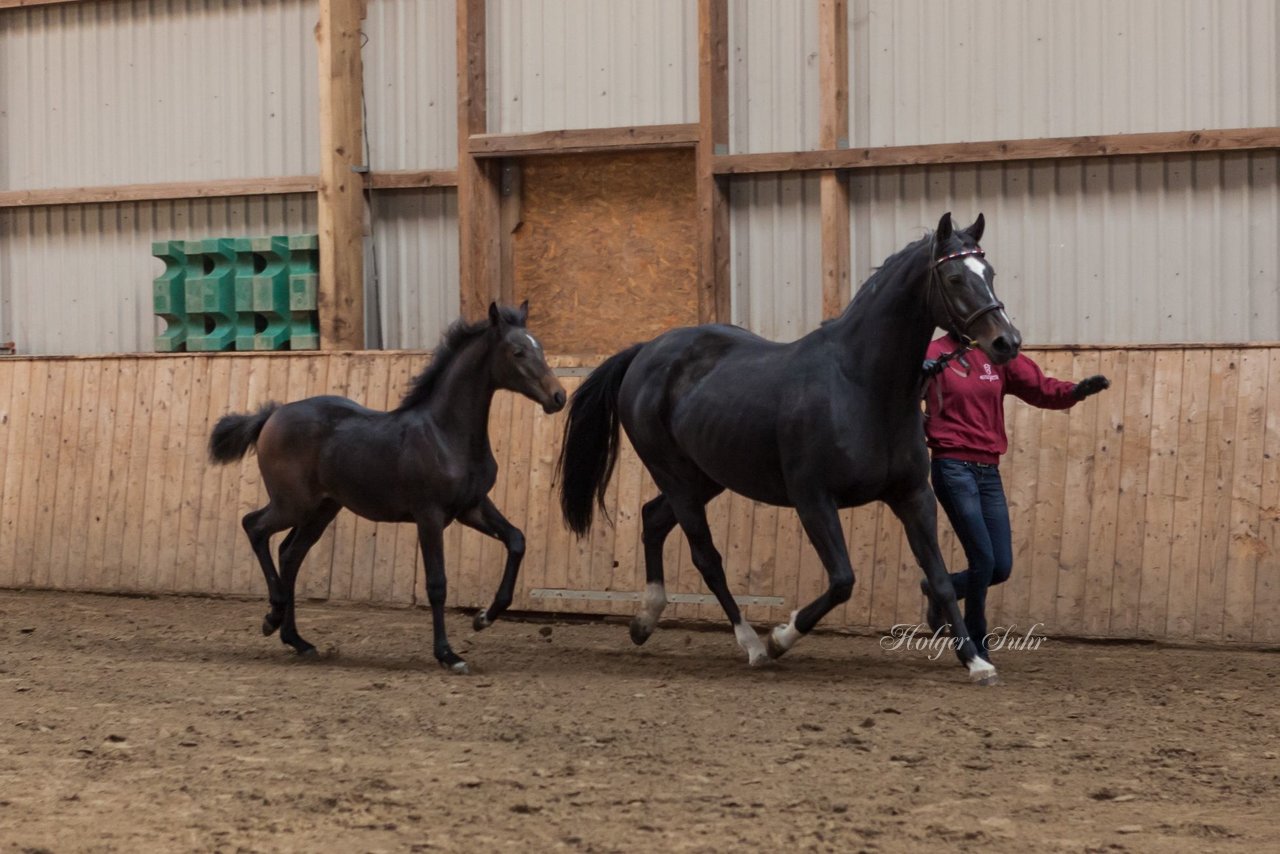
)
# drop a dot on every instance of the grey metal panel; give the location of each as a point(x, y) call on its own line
point(1123, 251)
point(924, 72)
point(415, 241)
point(410, 84)
point(77, 278)
point(773, 76)
point(167, 90)
point(775, 268)
point(557, 64)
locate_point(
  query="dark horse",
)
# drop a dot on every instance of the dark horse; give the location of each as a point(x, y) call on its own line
point(428, 462)
point(829, 421)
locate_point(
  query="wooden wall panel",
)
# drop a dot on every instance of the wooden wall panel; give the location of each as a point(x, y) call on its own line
point(1149, 511)
point(602, 251)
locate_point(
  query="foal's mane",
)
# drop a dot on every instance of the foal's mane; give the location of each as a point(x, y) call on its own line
point(455, 339)
point(899, 265)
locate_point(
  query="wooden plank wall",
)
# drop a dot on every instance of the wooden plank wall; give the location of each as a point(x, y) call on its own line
point(1150, 511)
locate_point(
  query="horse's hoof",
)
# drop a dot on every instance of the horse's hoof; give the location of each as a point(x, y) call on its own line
point(760, 659)
point(773, 648)
point(307, 651)
point(269, 625)
point(459, 668)
point(982, 673)
point(481, 621)
point(640, 631)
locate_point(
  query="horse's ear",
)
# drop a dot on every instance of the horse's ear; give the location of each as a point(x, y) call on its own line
point(495, 316)
point(944, 228)
point(524, 312)
point(975, 230)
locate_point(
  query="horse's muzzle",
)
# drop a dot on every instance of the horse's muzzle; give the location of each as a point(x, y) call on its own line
point(555, 403)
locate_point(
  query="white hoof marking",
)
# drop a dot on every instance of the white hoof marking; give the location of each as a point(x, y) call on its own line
point(460, 668)
point(750, 641)
point(980, 670)
point(786, 635)
point(655, 602)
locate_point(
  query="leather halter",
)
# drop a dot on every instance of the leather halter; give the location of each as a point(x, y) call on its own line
point(960, 324)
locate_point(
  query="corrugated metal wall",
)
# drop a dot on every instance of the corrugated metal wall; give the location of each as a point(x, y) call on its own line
point(1105, 251)
point(1006, 69)
point(410, 84)
point(157, 90)
point(557, 64)
point(77, 278)
point(1125, 250)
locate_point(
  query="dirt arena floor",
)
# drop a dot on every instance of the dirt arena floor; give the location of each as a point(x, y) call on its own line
point(173, 725)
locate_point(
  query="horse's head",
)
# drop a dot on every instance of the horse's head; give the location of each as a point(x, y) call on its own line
point(961, 294)
point(518, 363)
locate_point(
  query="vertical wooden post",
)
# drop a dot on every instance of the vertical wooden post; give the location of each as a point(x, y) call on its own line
point(340, 296)
point(479, 252)
point(833, 76)
point(713, 139)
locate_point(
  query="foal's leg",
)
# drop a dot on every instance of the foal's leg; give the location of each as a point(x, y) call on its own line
point(431, 538)
point(919, 515)
point(691, 513)
point(658, 520)
point(292, 551)
point(259, 525)
point(486, 519)
point(821, 523)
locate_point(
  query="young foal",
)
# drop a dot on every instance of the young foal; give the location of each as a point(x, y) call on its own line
point(829, 421)
point(428, 462)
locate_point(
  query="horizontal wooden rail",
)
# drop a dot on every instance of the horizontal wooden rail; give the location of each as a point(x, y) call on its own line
point(392, 180)
point(997, 151)
point(584, 140)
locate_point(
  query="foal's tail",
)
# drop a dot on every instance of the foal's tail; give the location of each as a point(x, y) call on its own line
point(234, 435)
point(591, 441)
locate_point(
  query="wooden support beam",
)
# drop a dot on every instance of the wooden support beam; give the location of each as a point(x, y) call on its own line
point(713, 141)
point(411, 179)
point(1004, 151)
point(341, 205)
point(479, 252)
point(586, 140)
point(833, 133)
point(159, 192)
point(405, 179)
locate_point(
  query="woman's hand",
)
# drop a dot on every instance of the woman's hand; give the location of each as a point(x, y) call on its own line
point(1090, 385)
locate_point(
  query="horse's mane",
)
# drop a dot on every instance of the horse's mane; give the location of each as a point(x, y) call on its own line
point(455, 339)
point(893, 268)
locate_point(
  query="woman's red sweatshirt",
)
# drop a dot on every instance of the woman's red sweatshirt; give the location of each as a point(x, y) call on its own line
point(968, 424)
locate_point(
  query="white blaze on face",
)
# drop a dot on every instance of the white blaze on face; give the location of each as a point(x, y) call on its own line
point(534, 342)
point(979, 268)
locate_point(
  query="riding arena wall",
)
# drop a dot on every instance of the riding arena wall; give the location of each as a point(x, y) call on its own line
point(1152, 511)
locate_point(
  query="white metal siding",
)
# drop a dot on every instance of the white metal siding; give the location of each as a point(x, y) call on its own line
point(78, 278)
point(410, 84)
point(1005, 69)
point(167, 90)
point(773, 76)
point(776, 267)
point(557, 64)
point(1150, 250)
point(415, 238)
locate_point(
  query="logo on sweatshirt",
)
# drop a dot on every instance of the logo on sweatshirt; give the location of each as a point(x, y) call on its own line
point(988, 374)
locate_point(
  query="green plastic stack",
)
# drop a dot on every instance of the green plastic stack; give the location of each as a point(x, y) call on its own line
point(243, 293)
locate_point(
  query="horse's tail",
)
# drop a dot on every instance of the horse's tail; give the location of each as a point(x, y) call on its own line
point(234, 435)
point(591, 441)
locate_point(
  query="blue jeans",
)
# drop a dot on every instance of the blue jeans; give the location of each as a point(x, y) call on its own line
point(972, 495)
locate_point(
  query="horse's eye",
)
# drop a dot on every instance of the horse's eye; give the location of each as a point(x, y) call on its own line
point(517, 353)
point(956, 281)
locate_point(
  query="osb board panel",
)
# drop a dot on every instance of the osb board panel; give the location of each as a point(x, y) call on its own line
point(604, 250)
point(1148, 511)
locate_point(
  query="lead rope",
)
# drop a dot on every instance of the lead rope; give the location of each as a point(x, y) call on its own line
point(942, 360)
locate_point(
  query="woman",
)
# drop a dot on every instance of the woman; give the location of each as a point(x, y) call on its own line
point(964, 428)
